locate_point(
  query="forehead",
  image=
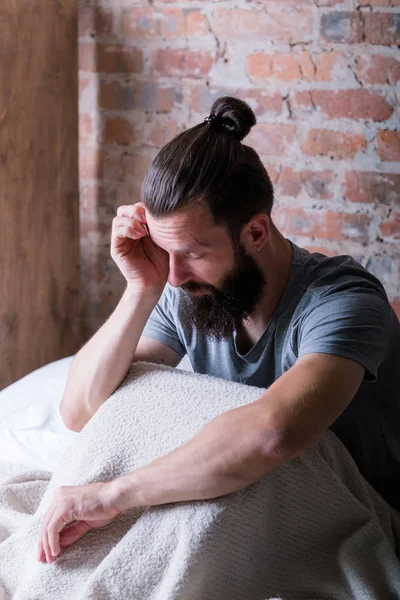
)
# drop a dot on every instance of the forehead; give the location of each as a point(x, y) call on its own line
point(188, 229)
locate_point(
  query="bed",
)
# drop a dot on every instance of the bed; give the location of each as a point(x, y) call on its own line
point(268, 541)
point(32, 433)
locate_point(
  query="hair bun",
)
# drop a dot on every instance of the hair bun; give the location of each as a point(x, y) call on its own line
point(234, 116)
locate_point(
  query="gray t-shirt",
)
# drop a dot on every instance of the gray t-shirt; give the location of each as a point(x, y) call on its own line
point(330, 305)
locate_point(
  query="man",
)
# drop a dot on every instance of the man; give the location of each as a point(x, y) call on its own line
point(209, 274)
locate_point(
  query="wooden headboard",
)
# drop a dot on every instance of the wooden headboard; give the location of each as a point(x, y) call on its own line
point(39, 201)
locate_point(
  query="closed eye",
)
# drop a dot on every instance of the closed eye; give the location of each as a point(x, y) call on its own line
point(197, 257)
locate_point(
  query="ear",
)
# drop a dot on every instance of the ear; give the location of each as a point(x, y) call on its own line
point(255, 234)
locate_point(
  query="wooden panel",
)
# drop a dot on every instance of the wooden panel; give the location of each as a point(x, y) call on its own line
point(39, 203)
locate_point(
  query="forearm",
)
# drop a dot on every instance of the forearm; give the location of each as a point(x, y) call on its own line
point(100, 366)
point(228, 454)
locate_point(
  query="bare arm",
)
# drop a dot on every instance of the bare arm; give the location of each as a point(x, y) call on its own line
point(100, 366)
point(242, 445)
point(102, 363)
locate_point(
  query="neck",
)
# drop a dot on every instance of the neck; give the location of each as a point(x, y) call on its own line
point(275, 261)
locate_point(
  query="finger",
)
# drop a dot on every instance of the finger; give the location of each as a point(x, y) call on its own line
point(73, 533)
point(43, 535)
point(46, 548)
point(132, 210)
point(127, 227)
point(126, 210)
point(40, 554)
point(55, 526)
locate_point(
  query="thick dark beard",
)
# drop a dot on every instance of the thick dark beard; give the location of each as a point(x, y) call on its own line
point(220, 312)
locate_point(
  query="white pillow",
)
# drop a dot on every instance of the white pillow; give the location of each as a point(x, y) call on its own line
point(32, 433)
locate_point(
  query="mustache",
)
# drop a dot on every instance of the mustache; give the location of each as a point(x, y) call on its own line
point(193, 286)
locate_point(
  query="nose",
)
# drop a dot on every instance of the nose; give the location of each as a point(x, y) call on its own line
point(178, 272)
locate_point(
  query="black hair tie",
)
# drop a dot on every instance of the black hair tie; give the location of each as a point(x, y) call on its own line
point(210, 118)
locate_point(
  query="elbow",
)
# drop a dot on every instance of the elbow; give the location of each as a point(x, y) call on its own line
point(70, 422)
point(279, 446)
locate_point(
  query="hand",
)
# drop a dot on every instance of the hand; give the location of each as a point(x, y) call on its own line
point(82, 508)
point(144, 265)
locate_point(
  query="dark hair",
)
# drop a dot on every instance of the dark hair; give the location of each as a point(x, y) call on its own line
point(209, 163)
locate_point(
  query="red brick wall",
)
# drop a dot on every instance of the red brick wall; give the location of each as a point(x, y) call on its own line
point(321, 76)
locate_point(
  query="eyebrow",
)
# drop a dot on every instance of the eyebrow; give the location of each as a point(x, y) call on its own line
point(187, 250)
point(201, 244)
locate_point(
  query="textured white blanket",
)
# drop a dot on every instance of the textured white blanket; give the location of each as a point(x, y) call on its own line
point(311, 529)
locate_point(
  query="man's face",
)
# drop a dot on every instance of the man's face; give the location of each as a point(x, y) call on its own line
point(221, 284)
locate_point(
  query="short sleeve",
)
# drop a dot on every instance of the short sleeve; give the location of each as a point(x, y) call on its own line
point(161, 324)
point(353, 324)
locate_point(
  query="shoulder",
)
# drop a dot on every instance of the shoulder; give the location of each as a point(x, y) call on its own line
point(324, 277)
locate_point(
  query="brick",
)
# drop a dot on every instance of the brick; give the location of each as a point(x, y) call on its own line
point(172, 23)
point(320, 249)
point(317, 184)
point(96, 231)
point(106, 58)
point(88, 198)
point(342, 27)
point(377, 69)
point(272, 170)
point(262, 102)
point(396, 306)
point(365, 186)
point(119, 59)
point(391, 228)
point(87, 56)
point(114, 96)
point(333, 143)
point(324, 64)
point(384, 268)
point(135, 165)
point(113, 170)
point(272, 140)
point(387, 3)
point(287, 3)
point(91, 163)
point(259, 65)
point(196, 1)
point(167, 22)
point(140, 23)
point(300, 104)
point(143, 95)
point(83, 84)
point(286, 67)
point(182, 62)
point(255, 25)
point(289, 66)
point(196, 23)
point(86, 128)
point(94, 21)
point(352, 104)
point(328, 2)
point(324, 224)
point(388, 145)
point(292, 66)
point(382, 29)
point(157, 134)
point(117, 131)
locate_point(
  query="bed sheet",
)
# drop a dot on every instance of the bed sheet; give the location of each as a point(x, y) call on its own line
point(32, 433)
